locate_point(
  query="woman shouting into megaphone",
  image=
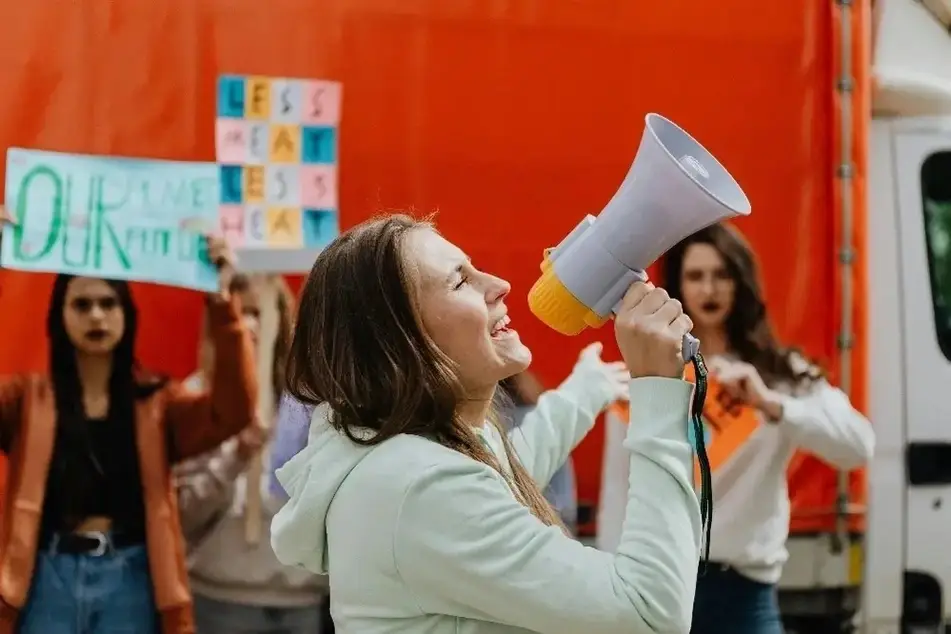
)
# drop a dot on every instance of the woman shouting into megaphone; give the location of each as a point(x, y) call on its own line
point(426, 516)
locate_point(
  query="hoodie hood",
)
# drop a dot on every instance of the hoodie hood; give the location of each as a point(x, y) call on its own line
point(311, 480)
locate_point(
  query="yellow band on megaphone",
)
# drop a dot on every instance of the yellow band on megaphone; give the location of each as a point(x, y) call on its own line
point(556, 307)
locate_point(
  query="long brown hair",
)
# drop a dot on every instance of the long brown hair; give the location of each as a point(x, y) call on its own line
point(748, 328)
point(359, 346)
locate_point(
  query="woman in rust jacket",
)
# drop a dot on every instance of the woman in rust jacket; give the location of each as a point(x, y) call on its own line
point(90, 541)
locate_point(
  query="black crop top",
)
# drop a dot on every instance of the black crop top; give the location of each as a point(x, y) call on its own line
point(94, 472)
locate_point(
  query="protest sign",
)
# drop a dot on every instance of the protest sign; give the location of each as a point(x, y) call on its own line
point(117, 218)
point(276, 146)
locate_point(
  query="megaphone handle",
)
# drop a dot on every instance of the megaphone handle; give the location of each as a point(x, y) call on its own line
point(691, 347)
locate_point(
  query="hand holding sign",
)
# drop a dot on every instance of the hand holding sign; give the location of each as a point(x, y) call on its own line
point(221, 255)
point(5, 217)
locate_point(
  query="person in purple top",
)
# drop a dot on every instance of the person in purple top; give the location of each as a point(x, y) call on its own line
point(290, 436)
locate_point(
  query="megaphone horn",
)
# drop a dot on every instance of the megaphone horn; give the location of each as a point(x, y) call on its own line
point(674, 188)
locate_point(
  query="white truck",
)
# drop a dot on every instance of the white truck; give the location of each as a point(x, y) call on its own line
point(904, 566)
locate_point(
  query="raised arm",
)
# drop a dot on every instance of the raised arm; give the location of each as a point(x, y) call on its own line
point(563, 416)
point(825, 424)
point(199, 422)
point(821, 421)
point(11, 388)
point(484, 556)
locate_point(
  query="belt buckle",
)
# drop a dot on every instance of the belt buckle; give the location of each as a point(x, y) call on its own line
point(102, 548)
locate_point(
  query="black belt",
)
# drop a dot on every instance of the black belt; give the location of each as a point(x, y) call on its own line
point(95, 543)
point(716, 567)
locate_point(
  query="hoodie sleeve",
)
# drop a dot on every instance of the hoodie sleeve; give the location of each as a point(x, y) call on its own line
point(825, 424)
point(467, 548)
point(561, 419)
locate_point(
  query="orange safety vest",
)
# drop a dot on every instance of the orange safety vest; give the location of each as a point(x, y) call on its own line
point(728, 422)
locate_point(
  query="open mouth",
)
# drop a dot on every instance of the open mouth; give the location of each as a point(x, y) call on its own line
point(710, 307)
point(500, 328)
point(96, 335)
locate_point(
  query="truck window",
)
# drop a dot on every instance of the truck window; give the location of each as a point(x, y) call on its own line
point(936, 195)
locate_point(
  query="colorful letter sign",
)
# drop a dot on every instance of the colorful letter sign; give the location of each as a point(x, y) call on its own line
point(277, 154)
point(109, 217)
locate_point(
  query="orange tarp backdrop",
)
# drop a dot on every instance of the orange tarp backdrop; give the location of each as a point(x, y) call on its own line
point(512, 118)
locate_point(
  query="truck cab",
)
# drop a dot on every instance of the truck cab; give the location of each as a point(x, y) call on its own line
point(908, 562)
point(897, 576)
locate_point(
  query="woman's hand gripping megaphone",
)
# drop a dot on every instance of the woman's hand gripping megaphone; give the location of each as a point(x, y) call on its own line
point(650, 328)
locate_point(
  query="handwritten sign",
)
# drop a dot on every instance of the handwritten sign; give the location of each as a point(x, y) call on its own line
point(276, 145)
point(111, 217)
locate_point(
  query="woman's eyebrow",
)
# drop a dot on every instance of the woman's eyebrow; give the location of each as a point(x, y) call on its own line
point(457, 270)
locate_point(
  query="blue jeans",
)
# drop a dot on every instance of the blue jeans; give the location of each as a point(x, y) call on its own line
point(86, 594)
point(728, 602)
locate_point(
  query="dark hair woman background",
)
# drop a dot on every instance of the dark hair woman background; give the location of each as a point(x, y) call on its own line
point(765, 402)
point(425, 514)
point(90, 540)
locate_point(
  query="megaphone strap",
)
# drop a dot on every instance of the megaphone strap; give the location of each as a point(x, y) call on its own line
point(703, 460)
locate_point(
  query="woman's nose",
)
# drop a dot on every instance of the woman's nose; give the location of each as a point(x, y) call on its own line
point(497, 289)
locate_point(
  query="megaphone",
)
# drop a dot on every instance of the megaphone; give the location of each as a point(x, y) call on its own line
point(673, 188)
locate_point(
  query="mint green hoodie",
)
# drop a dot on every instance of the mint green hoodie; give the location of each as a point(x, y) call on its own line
point(418, 538)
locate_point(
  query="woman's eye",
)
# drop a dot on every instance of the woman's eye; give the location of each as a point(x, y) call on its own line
point(462, 282)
